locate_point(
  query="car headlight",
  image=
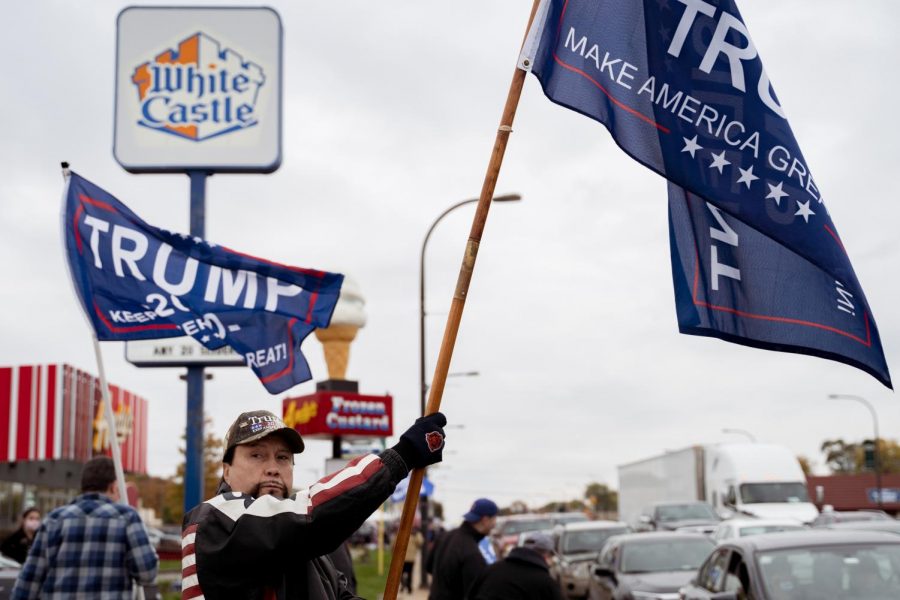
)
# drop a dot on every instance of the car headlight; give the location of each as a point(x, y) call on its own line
point(638, 595)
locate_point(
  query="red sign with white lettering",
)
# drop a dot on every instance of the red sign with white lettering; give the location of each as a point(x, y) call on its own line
point(330, 413)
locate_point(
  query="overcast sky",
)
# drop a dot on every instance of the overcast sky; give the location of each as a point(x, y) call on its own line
point(390, 110)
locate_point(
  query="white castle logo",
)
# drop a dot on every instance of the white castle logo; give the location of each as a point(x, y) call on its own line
point(199, 91)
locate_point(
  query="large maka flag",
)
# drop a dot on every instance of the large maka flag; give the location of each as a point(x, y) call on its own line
point(756, 258)
point(137, 282)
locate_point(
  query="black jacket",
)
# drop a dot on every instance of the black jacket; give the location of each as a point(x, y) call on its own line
point(455, 563)
point(523, 575)
point(16, 546)
point(239, 547)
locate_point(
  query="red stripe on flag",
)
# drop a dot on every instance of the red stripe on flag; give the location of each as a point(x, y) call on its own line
point(6, 376)
point(78, 212)
point(290, 366)
point(115, 329)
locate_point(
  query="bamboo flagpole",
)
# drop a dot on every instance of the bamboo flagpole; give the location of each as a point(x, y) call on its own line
point(451, 329)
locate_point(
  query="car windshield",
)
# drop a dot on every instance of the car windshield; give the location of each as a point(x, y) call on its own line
point(516, 527)
point(870, 572)
point(681, 512)
point(587, 541)
point(758, 529)
point(757, 493)
point(665, 555)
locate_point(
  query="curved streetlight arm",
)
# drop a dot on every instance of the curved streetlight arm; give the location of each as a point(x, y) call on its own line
point(423, 387)
point(862, 401)
point(876, 455)
point(749, 435)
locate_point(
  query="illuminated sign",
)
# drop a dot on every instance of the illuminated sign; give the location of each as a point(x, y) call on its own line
point(330, 413)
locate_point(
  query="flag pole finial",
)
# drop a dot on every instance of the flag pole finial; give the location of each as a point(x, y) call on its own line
point(65, 169)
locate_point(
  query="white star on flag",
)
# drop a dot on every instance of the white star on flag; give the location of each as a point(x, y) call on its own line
point(719, 161)
point(747, 176)
point(204, 339)
point(691, 145)
point(776, 193)
point(198, 240)
point(804, 210)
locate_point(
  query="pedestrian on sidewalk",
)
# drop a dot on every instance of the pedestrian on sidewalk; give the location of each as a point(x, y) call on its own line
point(523, 575)
point(456, 560)
point(93, 547)
point(412, 551)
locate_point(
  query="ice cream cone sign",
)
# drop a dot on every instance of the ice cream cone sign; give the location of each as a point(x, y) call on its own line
point(349, 316)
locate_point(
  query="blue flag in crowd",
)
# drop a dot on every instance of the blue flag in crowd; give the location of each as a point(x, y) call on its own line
point(680, 86)
point(136, 282)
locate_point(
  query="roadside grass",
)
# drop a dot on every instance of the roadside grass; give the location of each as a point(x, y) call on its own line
point(370, 585)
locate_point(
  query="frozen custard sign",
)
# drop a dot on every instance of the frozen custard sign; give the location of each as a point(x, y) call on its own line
point(198, 88)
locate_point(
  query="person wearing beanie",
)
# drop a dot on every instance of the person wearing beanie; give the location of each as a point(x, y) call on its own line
point(523, 575)
point(258, 539)
point(456, 560)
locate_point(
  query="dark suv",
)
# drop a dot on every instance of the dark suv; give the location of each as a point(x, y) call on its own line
point(699, 517)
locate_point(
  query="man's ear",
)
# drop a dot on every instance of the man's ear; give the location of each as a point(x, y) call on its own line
point(226, 470)
point(112, 490)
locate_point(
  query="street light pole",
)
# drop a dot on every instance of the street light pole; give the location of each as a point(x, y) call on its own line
point(741, 432)
point(876, 455)
point(423, 387)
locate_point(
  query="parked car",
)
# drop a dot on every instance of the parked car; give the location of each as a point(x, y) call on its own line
point(506, 532)
point(638, 566)
point(674, 516)
point(577, 547)
point(733, 528)
point(811, 564)
point(562, 518)
point(9, 572)
point(886, 525)
point(827, 517)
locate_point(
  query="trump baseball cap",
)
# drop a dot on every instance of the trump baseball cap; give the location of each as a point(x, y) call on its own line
point(482, 507)
point(257, 424)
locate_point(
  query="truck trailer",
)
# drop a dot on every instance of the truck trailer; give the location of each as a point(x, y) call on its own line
point(749, 479)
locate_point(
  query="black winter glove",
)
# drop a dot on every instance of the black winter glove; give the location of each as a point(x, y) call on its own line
point(423, 443)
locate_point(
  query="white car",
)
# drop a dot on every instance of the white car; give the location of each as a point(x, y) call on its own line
point(735, 528)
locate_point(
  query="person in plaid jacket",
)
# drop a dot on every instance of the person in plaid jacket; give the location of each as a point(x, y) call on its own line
point(92, 547)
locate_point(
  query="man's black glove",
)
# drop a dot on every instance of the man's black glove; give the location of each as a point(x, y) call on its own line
point(423, 443)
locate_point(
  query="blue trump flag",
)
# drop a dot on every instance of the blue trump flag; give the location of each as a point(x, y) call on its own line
point(680, 86)
point(136, 281)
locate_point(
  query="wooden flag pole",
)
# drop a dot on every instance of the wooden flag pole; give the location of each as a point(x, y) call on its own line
point(451, 329)
point(111, 424)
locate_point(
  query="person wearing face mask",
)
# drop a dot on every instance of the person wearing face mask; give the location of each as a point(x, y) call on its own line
point(17, 544)
point(258, 539)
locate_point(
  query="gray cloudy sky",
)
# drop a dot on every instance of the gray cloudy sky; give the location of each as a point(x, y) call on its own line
point(390, 113)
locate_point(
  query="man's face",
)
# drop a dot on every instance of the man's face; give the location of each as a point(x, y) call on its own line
point(262, 467)
point(485, 524)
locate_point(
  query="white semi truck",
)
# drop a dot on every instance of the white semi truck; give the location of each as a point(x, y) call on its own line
point(759, 480)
